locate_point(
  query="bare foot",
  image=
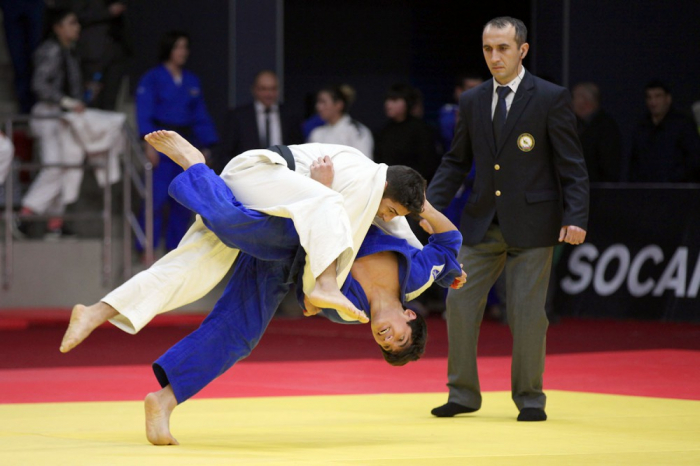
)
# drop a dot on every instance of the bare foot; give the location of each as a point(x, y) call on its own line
point(328, 296)
point(176, 147)
point(159, 405)
point(83, 320)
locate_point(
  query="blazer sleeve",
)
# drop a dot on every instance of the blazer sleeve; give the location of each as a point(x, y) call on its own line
point(568, 160)
point(455, 164)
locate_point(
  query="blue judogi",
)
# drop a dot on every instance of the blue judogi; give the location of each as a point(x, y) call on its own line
point(161, 103)
point(270, 260)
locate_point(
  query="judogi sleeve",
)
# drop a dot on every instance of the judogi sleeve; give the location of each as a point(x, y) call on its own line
point(435, 263)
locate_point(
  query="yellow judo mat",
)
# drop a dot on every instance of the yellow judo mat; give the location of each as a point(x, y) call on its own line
point(583, 429)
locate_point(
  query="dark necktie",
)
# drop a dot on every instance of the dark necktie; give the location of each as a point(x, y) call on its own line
point(267, 128)
point(499, 116)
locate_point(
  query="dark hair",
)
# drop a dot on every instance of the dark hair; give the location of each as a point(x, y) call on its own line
point(53, 17)
point(167, 44)
point(658, 84)
point(590, 89)
point(343, 93)
point(405, 186)
point(504, 21)
point(419, 336)
point(402, 91)
point(459, 82)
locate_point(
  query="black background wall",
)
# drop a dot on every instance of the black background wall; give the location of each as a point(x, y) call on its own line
point(373, 43)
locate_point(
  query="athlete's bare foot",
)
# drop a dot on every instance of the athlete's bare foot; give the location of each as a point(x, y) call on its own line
point(327, 295)
point(176, 147)
point(159, 406)
point(83, 320)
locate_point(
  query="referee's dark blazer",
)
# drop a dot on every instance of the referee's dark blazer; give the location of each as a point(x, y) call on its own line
point(534, 192)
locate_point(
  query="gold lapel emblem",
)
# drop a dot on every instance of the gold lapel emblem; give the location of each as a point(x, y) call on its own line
point(526, 142)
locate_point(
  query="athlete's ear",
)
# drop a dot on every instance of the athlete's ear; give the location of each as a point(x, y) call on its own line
point(410, 314)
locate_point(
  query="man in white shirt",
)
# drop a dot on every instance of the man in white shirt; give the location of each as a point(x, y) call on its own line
point(261, 123)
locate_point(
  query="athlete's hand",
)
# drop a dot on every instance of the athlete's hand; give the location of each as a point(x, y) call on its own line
point(459, 281)
point(152, 155)
point(322, 171)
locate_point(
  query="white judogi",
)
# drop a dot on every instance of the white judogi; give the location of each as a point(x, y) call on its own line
point(67, 139)
point(7, 152)
point(331, 224)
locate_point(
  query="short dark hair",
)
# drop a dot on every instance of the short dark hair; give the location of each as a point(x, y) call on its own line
point(505, 21)
point(405, 186)
point(658, 84)
point(402, 91)
point(53, 16)
point(167, 44)
point(419, 337)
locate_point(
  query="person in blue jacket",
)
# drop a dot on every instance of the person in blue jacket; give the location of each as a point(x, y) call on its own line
point(170, 97)
point(387, 273)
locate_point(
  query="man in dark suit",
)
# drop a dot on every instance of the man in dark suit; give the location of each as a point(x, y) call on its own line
point(261, 123)
point(599, 134)
point(530, 192)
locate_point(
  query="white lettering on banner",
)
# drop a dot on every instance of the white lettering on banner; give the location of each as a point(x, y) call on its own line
point(637, 289)
point(673, 277)
point(584, 271)
point(577, 267)
point(622, 254)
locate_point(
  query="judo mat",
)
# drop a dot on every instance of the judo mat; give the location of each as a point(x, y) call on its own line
point(315, 393)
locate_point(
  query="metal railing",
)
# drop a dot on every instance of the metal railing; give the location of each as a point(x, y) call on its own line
point(137, 175)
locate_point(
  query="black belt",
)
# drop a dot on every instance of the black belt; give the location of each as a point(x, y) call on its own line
point(286, 155)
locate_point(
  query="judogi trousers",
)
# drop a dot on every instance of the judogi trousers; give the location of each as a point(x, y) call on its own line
point(331, 224)
point(527, 279)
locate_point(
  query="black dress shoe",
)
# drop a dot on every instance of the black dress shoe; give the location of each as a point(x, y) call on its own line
point(449, 409)
point(532, 415)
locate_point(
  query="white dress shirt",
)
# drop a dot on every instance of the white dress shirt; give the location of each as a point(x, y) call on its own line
point(345, 132)
point(511, 95)
point(275, 123)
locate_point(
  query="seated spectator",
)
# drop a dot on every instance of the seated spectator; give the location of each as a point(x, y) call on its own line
point(170, 97)
point(57, 83)
point(332, 105)
point(666, 145)
point(599, 134)
point(262, 123)
point(405, 139)
point(448, 114)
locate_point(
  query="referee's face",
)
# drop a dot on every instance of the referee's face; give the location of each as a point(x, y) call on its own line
point(502, 53)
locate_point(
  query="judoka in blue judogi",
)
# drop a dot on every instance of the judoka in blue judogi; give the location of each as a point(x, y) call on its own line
point(164, 101)
point(264, 274)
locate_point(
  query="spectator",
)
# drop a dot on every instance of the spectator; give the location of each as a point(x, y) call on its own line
point(22, 20)
point(599, 134)
point(449, 113)
point(261, 123)
point(104, 48)
point(666, 145)
point(170, 97)
point(57, 83)
point(405, 139)
point(332, 104)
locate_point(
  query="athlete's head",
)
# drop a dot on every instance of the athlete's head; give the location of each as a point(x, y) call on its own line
point(400, 335)
point(404, 193)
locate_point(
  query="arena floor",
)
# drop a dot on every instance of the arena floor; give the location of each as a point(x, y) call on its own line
point(316, 393)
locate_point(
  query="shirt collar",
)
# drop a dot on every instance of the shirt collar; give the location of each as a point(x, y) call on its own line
point(514, 84)
point(260, 108)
